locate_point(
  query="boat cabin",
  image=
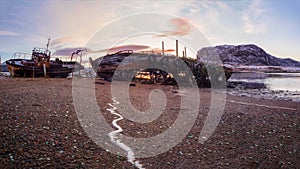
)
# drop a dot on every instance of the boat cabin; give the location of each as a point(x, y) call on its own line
point(41, 56)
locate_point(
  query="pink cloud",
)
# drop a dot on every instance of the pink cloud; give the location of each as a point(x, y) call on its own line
point(181, 28)
point(133, 47)
point(8, 33)
point(61, 40)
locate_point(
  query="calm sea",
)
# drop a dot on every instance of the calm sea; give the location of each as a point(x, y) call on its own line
point(273, 81)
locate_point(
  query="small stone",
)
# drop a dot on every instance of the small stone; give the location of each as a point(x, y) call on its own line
point(46, 127)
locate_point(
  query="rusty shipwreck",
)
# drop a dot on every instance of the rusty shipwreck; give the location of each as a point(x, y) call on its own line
point(39, 64)
point(160, 68)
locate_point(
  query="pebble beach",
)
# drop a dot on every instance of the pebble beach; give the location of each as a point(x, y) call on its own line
point(40, 129)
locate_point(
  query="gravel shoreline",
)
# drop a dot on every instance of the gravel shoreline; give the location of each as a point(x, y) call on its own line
point(293, 96)
point(40, 129)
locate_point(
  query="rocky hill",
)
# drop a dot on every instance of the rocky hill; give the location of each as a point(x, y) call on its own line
point(248, 55)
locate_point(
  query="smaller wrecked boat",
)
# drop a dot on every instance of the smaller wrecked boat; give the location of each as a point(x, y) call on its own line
point(40, 65)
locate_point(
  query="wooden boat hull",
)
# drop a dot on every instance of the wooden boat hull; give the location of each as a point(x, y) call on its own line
point(40, 65)
point(19, 70)
point(133, 63)
point(115, 65)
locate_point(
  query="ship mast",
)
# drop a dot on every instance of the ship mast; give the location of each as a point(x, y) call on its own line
point(47, 45)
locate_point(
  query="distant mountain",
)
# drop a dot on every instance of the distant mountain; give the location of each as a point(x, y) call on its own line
point(247, 55)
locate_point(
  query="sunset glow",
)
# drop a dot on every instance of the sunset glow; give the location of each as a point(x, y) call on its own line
point(272, 25)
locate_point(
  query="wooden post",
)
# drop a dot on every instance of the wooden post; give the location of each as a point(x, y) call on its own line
point(185, 52)
point(176, 48)
point(12, 72)
point(44, 67)
point(163, 48)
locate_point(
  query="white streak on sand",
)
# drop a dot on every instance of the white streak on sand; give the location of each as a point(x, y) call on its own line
point(114, 135)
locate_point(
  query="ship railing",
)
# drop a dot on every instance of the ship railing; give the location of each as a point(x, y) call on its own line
point(21, 55)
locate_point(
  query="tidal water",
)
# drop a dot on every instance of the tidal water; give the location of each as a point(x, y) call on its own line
point(272, 81)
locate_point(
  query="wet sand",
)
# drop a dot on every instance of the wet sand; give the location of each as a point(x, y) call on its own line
point(40, 129)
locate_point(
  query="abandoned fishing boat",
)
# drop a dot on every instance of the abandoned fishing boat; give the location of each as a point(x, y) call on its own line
point(160, 68)
point(39, 65)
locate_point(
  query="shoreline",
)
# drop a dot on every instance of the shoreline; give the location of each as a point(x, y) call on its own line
point(235, 88)
point(267, 94)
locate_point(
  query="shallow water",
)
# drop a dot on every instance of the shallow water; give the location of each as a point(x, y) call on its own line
point(273, 81)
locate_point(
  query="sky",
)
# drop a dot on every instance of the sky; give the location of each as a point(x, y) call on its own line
point(271, 24)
